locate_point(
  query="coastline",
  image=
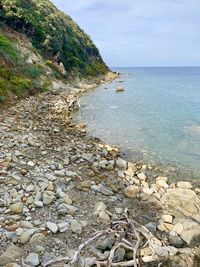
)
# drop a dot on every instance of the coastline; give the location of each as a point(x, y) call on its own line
point(61, 165)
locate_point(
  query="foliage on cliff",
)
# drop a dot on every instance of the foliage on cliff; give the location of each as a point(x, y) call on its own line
point(54, 33)
point(38, 44)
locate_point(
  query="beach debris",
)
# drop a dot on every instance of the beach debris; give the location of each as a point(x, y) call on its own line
point(120, 89)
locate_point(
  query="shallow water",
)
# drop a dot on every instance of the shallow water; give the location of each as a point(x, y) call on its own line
point(157, 117)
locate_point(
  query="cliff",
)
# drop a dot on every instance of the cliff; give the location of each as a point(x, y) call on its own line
point(38, 42)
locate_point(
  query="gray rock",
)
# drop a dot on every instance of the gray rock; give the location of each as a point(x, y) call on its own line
point(38, 203)
point(131, 191)
point(76, 227)
point(47, 258)
point(175, 240)
point(119, 255)
point(183, 184)
point(47, 199)
point(151, 227)
point(70, 174)
point(63, 227)
point(99, 206)
point(52, 227)
point(33, 259)
point(17, 208)
point(121, 164)
point(25, 237)
point(103, 215)
point(191, 237)
point(11, 254)
point(66, 209)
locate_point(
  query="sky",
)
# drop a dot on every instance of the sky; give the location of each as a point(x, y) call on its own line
point(140, 32)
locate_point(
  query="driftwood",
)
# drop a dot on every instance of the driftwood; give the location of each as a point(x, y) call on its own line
point(129, 235)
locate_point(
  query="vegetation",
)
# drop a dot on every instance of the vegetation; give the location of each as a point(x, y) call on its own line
point(16, 76)
point(6, 49)
point(55, 34)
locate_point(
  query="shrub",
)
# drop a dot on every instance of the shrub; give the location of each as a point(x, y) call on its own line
point(7, 50)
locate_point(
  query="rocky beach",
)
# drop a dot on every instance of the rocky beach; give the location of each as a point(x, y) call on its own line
point(67, 199)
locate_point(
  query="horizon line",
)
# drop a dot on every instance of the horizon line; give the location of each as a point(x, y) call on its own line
point(172, 66)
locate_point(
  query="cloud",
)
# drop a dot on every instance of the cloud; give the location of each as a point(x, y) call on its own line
point(135, 32)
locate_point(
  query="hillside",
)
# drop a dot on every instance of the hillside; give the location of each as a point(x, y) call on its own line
point(37, 40)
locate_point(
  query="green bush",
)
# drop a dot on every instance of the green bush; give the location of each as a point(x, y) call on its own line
point(55, 34)
point(7, 50)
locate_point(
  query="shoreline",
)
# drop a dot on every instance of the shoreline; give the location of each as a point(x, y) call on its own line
point(57, 181)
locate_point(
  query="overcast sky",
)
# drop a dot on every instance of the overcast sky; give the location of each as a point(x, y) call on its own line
point(140, 32)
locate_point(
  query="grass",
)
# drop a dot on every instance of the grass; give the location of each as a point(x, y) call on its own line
point(7, 51)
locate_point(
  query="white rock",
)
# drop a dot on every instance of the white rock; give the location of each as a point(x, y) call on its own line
point(99, 206)
point(162, 184)
point(103, 215)
point(178, 228)
point(142, 176)
point(52, 227)
point(183, 184)
point(38, 203)
point(167, 218)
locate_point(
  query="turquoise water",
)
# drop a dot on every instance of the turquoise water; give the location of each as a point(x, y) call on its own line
point(157, 117)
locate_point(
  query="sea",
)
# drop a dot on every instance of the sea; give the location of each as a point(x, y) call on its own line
point(156, 119)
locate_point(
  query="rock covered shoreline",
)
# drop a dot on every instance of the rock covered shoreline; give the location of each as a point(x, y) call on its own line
point(59, 186)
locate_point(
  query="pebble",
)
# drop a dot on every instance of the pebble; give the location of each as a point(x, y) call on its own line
point(38, 203)
point(11, 254)
point(99, 206)
point(76, 227)
point(25, 237)
point(17, 208)
point(121, 164)
point(63, 227)
point(52, 227)
point(33, 259)
point(103, 215)
point(131, 191)
point(167, 218)
point(142, 176)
